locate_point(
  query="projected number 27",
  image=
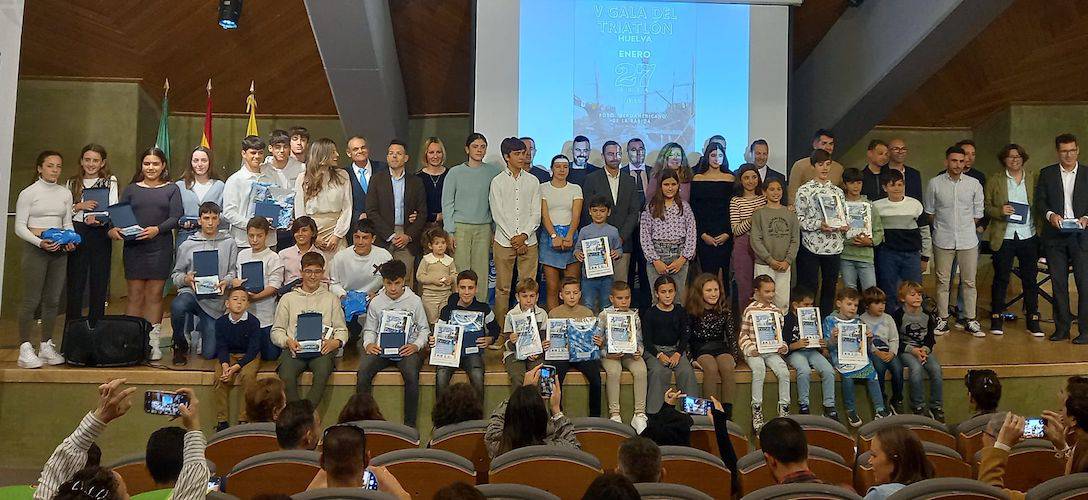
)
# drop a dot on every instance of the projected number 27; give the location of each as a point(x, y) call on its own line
point(634, 74)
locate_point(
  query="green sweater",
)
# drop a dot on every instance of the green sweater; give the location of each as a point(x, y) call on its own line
point(465, 194)
point(864, 254)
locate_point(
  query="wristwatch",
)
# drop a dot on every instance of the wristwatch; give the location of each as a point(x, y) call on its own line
point(554, 235)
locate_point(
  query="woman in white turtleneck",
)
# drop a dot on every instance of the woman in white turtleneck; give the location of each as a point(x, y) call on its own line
point(42, 205)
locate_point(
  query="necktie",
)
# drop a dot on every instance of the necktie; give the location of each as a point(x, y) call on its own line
point(638, 179)
point(362, 179)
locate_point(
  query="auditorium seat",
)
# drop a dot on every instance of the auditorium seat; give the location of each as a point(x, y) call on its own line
point(826, 464)
point(969, 435)
point(601, 438)
point(232, 445)
point(1031, 462)
point(424, 471)
point(828, 433)
point(927, 429)
point(383, 436)
point(946, 463)
point(946, 488)
point(1071, 487)
point(219, 495)
point(342, 494)
point(698, 469)
point(670, 491)
point(133, 469)
point(465, 439)
point(702, 436)
point(509, 491)
point(560, 470)
point(281, 472)
point(802, 490)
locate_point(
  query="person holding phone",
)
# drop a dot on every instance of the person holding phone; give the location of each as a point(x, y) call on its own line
point(524, 420)
point(345, 464)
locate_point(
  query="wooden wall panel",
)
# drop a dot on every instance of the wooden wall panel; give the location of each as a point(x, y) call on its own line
point(811, 21)
point(434, 45)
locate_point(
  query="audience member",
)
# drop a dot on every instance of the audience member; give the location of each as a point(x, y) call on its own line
point(298, 426)
point(984, 396)
point(898, 459)
point(459, 491)
point(458, 403)
point(360, 406)
point(344, 458)
point(611, 486)
point(265, 399)
point(523, 420)
point(639, 459)
point(785, 449)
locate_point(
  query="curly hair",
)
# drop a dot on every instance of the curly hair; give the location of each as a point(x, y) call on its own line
point(458, 403)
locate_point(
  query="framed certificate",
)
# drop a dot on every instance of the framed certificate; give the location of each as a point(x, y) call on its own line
point(598, 257)
point(528, 342)
point(768, 329)
point(859, 214)
point(447, 345)
point(556, 333)
point(851, 343)
point(620, 334)
point(809, 323)
point(832, 208)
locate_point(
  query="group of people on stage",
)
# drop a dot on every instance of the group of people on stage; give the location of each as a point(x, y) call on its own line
point(691, 246)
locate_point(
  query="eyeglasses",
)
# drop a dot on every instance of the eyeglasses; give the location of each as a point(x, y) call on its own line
point(313, 272)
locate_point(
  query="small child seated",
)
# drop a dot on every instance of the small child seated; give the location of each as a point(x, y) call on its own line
point(237, 345)
point(665, 335)
point(916, 343)
point(464, 302)
point(885, 355)
point(805, 359)
point(846, 310)
point(620, 297)
point(763, 300)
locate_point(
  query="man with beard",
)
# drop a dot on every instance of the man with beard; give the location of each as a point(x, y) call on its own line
point(581, 167)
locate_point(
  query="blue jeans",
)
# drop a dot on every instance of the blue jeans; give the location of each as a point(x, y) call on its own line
point(804, 361)
point(595, 292)
point(896, 368)
point(893, 267)
point(187, 303)
point(854, 271)
point(269, 351)
point(918, 371)
point(870, 384)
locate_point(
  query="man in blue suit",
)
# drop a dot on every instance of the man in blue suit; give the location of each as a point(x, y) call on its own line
point(360, 171)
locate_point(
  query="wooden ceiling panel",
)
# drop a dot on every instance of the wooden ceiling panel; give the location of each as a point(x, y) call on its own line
point(811, 21)
point(434, 45)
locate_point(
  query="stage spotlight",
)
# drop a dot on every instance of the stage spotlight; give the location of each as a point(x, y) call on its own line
point(229, 12)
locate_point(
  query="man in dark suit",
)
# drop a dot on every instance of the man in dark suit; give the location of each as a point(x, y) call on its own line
point(761, 152)
point(397, 204)
point(624, 197)
point(581, 167)
point(642, 174)
point(361, 169)
point(1061, 195)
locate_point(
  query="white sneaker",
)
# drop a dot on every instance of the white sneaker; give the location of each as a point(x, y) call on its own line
point(27, 358)
point(156, 352)
point(196, 342)
point(639, 421)
point(975, 329)
point(616, 418)
point(48, 354)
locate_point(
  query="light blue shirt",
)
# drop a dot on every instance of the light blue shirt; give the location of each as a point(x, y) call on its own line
point(1018, 193)
point(398, 199)
point(954, 205)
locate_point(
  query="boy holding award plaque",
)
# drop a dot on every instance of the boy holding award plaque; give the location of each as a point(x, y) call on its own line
point(848, 341)
point(623, 349)
point(523, 324)
point(821, 213)
point(762, 346)
point(598, 245)
point(480, 330)
point(583, 341)
point(803, 332)
point(865, 233)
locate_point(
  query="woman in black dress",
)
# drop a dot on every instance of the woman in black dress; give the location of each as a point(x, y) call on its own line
point(149, 257)
point(711, 190)
point(433, 173)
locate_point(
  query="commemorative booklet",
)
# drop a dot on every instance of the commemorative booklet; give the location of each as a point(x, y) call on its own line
point(620, 333)
point(598, 257)
point(253, 274)
point(809, 323)
point(393, 332)
point(767, 326)
point(832, 209)
point(101, 196)
point(309, 331)
point(859, 214)
point(273, 202)
point(528, 343)
point(851, 342)
point(556, 334)
point(1019, 214)
point(447, 345)
point(580, 339)
point(124, 219)
point(473, 328)
point(206, 272)
point(1070, 225)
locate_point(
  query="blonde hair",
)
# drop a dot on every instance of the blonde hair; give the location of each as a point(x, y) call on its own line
point(426, 145)
point(320, 169)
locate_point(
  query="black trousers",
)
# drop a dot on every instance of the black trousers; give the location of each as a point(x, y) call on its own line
point(818, 274)
point(592, 372)
point(1061, 252)
point(89, 266)
point(1027, 252)
point(640, 297)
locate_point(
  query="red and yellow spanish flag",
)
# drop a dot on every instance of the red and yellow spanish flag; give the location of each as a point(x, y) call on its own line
point(206, 139)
